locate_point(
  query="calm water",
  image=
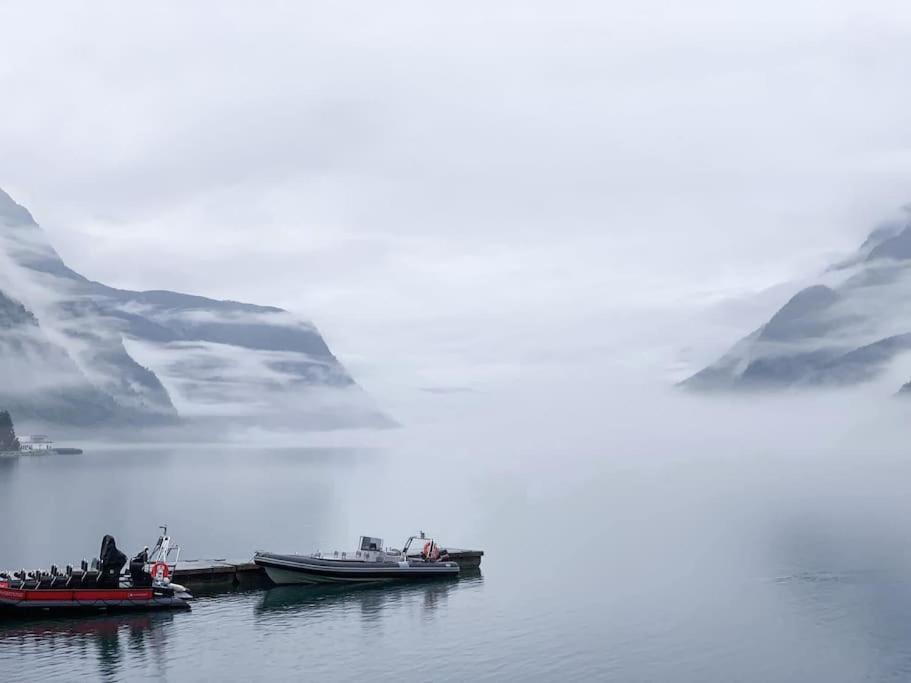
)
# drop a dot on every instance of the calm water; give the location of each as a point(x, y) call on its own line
point(596, 568)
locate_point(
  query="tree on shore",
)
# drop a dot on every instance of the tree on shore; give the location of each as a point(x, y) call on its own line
point(8, 440)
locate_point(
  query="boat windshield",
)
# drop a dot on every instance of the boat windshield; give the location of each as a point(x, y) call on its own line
point(415, 544)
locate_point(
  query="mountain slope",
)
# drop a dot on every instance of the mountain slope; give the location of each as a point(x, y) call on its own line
point(846, 330)
point(151, 357)
point(40, 379)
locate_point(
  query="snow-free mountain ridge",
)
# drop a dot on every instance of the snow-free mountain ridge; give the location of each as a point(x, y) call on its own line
point(78, 352)
point(848, 329)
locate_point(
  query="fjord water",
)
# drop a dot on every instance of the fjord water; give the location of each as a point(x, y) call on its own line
point(632, 550)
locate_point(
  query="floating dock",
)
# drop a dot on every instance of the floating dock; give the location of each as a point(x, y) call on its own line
point(41, 452)
point(225, 573)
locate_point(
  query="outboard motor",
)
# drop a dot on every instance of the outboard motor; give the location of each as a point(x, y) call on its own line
point(112, 561)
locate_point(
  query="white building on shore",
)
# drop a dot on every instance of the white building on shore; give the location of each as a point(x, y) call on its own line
point(35, 442)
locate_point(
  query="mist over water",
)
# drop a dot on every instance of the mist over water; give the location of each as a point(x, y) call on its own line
point(658, 537)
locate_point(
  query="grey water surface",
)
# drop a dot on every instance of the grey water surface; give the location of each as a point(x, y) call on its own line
point(596, 568)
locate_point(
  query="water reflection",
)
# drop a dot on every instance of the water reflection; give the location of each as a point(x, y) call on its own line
point(108, 640)
point(370, 601)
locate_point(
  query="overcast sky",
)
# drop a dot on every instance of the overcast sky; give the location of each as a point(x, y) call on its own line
point(464, 194)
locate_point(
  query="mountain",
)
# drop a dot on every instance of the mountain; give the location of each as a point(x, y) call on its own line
point(40, 380)
point(75, 351)
point(847, 329)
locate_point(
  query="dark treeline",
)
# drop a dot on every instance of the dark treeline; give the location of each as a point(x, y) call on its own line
point(8, 440)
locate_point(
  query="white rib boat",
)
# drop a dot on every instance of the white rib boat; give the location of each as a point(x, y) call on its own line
point(371, 563)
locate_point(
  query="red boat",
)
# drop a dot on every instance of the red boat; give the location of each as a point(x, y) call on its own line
point(96, 588)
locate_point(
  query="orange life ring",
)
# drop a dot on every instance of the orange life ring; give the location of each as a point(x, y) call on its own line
point(160, 571)
point(431, 551)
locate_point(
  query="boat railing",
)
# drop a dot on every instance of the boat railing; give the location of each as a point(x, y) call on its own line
point(427, 540)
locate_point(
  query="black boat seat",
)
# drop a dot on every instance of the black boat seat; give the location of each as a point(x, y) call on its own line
point(90, 574)
point(101, 573)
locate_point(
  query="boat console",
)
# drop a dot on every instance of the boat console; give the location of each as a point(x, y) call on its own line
point(368, 543)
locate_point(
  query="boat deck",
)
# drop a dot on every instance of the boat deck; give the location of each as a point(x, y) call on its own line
point(223, 573)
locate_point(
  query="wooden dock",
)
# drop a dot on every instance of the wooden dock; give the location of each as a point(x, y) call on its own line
point(225, 573)
point(220, 573)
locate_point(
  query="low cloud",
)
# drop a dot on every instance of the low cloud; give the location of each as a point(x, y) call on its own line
point(446, 189)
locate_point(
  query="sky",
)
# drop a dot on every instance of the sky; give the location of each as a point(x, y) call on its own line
point(471, 195)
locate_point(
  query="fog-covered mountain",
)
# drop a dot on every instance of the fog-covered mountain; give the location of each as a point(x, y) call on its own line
point(74, 351)
point(848, 329)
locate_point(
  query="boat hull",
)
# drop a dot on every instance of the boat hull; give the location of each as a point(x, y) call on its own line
point(52, 601)
point(297, 569)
